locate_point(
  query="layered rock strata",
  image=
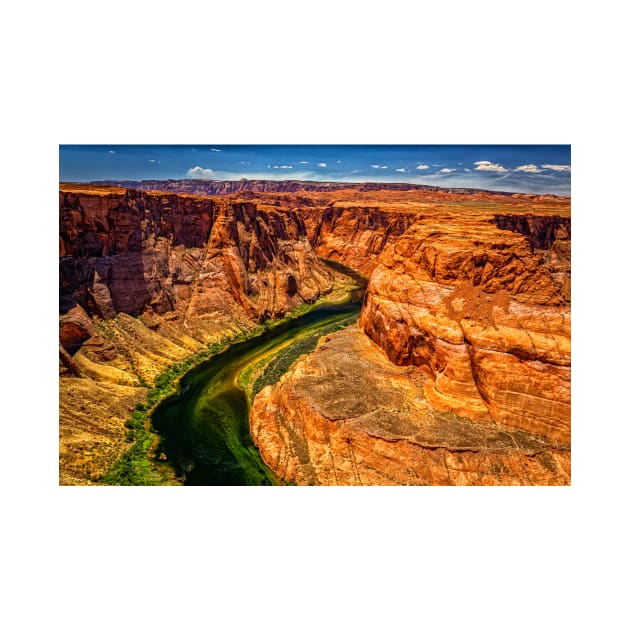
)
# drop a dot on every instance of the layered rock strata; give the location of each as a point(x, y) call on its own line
point(205, 260)
point(346, 415)
point(149, 279)
point(485, 314)
point(474, 308)
point(460, 373)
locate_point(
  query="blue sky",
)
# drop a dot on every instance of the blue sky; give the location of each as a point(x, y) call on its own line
point(518, 168)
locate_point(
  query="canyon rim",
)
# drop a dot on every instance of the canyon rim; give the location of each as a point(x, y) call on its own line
point(314, 315)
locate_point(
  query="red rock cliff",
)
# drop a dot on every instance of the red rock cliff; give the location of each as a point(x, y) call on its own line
point(485, 313)
point(463, 373)
point(148, 279)
point(199, 258)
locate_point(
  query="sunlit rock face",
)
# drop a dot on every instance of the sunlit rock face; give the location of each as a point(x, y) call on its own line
point(486, 313)
point(460, 372)
point(346, 415)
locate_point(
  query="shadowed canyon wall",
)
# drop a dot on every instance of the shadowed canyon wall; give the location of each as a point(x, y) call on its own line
point(129, 251)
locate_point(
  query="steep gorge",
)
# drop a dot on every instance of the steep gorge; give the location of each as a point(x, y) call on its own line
point(473, 304)
point(459, 371)
point(148, 279)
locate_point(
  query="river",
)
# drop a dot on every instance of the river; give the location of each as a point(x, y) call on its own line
point(204, 428)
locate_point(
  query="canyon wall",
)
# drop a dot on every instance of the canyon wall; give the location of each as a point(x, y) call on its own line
point(200, 261)
point(473, 305)
point(346, 415)
point(486, 313)
point(355, 235)
point(148, 279)
point(458, 374)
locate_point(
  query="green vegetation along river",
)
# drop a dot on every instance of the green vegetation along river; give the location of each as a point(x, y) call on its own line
point(204, 428)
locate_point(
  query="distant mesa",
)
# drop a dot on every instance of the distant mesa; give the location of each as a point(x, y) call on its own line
point(218, 187)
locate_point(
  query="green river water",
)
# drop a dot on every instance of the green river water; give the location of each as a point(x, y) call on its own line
point(204, 428)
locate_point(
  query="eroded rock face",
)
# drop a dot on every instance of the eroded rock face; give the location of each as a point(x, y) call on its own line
point(345, 415)
point(485, 315)
point(148, 279)
point(471, 300)
point(356, 235)
point(460, 373)
point(201, 259)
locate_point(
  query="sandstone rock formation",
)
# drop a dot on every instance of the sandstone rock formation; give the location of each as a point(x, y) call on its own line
point(485, 314)
point(346, 415)
point(147, 280)
point(476, 302)
point(209, 261)
point(458, 374)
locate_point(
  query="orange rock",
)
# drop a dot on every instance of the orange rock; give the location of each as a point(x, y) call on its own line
point(204, 259)
point(485, 314)
point(345, 415)
point(462, 375)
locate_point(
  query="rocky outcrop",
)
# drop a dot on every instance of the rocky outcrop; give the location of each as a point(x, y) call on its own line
point(345, 415)
point(471, 308)
point(205, 261)
point(486, 318)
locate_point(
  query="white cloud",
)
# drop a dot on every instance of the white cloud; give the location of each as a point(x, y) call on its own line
point(401, 170)
point(338, 161)
point(422, 167)
point(322, 164)
point(154, 161)
point(303, 162)
point(200, 173)
point(379, 166)
point(111, 152)
point(557, 167)
point(216, 150)
point(282, 166)
point(528, 168)
point(467, 170)
point(484, 165)
point(447, 170)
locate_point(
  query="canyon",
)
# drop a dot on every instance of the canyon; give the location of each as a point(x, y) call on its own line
point(458, 371)
point(150, 279)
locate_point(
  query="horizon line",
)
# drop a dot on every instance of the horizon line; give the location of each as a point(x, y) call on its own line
point(319, 182)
